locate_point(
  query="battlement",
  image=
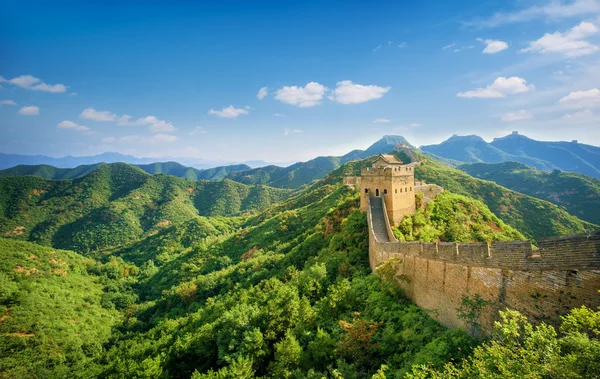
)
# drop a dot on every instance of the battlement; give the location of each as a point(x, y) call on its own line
point(573, 252)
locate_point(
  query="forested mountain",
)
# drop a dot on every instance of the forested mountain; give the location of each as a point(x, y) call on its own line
point(169, 168)
point(117, 203)
point(566, 156)
point(291, 177)
point(171, 278)
point(578, 194)
point(12, 160)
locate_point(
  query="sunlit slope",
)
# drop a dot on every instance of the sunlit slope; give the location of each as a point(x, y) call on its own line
point(116, 204)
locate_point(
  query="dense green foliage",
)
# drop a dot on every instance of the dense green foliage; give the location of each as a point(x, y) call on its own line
point(576, 193)
point(522, 350)
point(117, 204)
point(57, 309)
point(455, 218)
point(174, 278)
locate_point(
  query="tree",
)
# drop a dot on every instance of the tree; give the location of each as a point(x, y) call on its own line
point(470, 311)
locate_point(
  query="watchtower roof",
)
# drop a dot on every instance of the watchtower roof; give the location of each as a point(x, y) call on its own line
point(389, 159)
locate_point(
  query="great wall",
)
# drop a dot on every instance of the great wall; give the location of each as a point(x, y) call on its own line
point(542, 283)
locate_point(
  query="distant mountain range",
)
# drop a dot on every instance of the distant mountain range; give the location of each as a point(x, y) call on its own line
point(566, 156)
point(292, 177)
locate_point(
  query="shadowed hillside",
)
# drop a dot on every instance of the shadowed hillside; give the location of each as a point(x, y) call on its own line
point(577, 193)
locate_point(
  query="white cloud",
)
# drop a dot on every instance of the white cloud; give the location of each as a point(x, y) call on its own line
point(570, 44)
point(585, 115)
point(516, 116)
point(155, 125)
point(381, 120)
point(73, 94)
point(449, 46)
point(198, 130)
point(552, 10)
point(29, 110)
point(347, 92)
point(377, 48)
point(8, 102)
point(92, 114)
point(262, 93)
point(229, 112)
point(287, 131)
point(501, 87)
point(493, 46)
point(415, 124)
point(73, 126)
point(308, 96)
point(35, 84)
point(402, 45)
point(581, 99)
point(278, 115)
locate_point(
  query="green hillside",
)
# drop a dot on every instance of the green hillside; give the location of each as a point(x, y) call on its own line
point(576, 193)
point(117, 204)
point(57, 309)
point(207, 279)
point(49, 172)
point(454, 218)
point(533, 217)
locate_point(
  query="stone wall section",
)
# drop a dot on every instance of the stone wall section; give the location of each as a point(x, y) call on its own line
point(541, 283)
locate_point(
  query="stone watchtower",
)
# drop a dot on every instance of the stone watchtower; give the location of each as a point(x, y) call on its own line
point(394, 182)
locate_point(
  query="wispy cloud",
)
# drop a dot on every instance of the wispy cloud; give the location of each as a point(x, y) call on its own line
point(103, 116)
point(402, 45)
point(581, 99)
point(30, 110)
point(287, 131)
point(32, 83)
point(262, 93)
point(347, 92)
point(553, 10)
point(459, 49)
point(570, 44)
point(198, 130)
point(377, 48)
point(493, 46)
point(308, 96)
point(72, 126)
point(449, 46)
point(381, 121)
point(517, 116)
point(229, 112)
point(278, 115)
point(154, 123)
point(501, 87)
point(8, 102)
point(416, 124)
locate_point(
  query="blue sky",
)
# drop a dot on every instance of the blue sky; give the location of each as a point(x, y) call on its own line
point(184, 78)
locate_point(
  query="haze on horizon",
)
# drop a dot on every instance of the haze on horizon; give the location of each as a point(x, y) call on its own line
point(282, 82)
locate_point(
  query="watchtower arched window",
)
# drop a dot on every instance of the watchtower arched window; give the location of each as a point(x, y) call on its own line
point(400, 190)
point(396, 190)
point(410, 189)
point(385, 192)
point(377, 192)
point(366, 190)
